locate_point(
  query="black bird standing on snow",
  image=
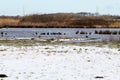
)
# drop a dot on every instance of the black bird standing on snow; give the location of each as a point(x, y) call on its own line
point(3, 76)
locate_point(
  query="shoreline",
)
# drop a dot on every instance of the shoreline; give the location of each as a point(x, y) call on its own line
point(28, 42)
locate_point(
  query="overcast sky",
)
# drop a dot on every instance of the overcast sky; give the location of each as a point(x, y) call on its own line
point(20, 7)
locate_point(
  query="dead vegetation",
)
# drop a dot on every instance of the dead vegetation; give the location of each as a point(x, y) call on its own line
point(8, 21)
point(62, 20)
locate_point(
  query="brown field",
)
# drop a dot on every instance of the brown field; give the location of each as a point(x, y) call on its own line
point(62, 20)
point(8, 22)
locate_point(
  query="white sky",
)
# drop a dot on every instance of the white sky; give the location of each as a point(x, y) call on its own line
point(19, 7)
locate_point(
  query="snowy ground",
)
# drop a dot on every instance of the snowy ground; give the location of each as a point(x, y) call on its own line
point(60, 62)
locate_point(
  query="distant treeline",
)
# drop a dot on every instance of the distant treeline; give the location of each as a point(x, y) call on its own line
point(61, 20)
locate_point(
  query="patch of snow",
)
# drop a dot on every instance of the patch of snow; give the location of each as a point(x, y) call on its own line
point(59, 62)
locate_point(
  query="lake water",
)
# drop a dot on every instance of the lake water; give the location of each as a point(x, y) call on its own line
point(46, 33)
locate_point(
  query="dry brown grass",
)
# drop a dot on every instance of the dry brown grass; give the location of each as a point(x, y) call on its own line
point(59, 20)
point(115, 24)
point(8, 21)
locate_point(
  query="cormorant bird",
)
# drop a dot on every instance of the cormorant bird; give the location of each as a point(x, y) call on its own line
point(3, 76)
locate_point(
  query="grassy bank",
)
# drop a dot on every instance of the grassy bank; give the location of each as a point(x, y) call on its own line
point(112, 44)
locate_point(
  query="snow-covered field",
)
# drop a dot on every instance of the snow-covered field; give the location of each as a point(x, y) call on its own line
point(60, 62)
